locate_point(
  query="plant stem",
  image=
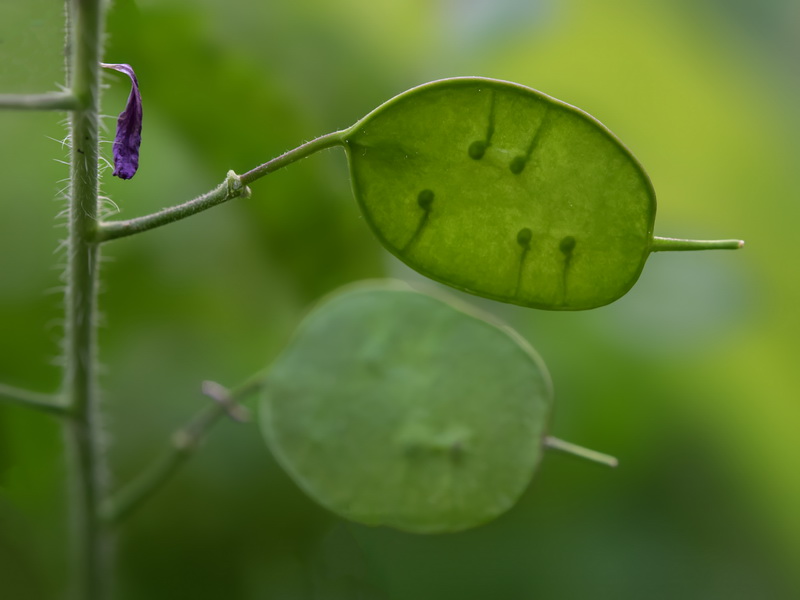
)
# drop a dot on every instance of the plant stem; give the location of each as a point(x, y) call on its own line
point(227, 190)
point(44, 402)
point(580, 451)
point(234, 186)
point(183, 444)
point(321, 143)
point(662, 244)
point(47, 101)
point(93, 547)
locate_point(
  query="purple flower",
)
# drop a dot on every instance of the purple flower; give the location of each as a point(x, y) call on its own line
point(129, 128)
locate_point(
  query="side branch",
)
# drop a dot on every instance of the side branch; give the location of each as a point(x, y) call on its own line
point(229, 189)
point(43, 402)
point(183, 444)
point(234, 186)
point(48, 101)
point(321, 143)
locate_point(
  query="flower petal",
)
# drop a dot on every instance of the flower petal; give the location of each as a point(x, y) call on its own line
point(129, 128)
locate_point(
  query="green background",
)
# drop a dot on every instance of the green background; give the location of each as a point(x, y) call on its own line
point(690, 380)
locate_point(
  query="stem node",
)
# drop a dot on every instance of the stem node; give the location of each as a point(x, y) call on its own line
point(236, 189)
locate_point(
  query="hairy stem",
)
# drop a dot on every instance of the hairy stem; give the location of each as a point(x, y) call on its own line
point(234, 186)
point(227, 190)
point(47, 101)
point(183, 444)
point(93, 546)
point(43, 402)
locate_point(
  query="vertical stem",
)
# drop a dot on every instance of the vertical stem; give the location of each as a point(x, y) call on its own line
point(92, 541)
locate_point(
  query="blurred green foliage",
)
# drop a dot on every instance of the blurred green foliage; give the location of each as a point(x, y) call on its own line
point(691, 379)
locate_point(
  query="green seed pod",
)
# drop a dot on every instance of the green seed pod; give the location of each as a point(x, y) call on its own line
point(501, 191)
point(391, 407)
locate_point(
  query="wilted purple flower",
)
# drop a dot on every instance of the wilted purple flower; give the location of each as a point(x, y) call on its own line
point(129, 128)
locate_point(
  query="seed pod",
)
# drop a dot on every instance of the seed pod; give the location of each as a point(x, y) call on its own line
point(392, 407)
point(501, 191)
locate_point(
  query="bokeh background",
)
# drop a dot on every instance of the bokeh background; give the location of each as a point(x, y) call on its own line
point(691, 379)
